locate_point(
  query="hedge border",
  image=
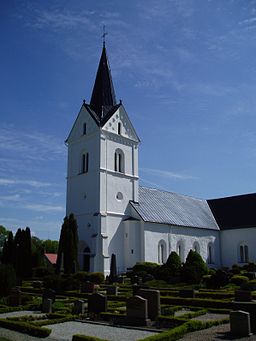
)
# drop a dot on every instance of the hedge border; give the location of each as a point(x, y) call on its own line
point(25, 328)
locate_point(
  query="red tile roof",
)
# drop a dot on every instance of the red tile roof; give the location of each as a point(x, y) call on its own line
point(51, 257)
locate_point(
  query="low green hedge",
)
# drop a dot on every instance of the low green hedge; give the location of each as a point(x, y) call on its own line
point(79, 337)
point(25, 327)
point(197, 302)
point(178, 332)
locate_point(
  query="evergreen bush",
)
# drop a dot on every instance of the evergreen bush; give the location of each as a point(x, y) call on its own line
point(194, 268)
point(239, 280)
point(174, 264)
point(7, 279)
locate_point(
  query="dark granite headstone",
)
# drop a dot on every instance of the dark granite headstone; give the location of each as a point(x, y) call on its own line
point(97, 303)
point(153, 297)
point(187, 293)
point(240, 324)
point(137, 311)
point(112, 290)
point(14, 298)
point(49, 293)
point(79, 307)
point(47, 305)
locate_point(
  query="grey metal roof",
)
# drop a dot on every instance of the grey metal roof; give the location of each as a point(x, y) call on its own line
point(170, 208)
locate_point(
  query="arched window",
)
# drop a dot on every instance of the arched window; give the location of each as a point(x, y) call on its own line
point(196, 247)
point(85, 163)
point(243, 253)
point(161, 252)
point(119, 161)
point(119, 128)
point(210, 256)
point(180, 250)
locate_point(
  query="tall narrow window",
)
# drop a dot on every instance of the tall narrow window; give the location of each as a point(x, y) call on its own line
point(85, 163)
point(210, 258)
point(119, 128)
point(84, 129)
point(119, 161)
point(243, 253)
point(161, 252)
point(180, 250)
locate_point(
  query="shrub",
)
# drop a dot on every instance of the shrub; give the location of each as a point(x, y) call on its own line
point(219, 279)
point(236, 269)
point(251, 267)
point(25, 327)
point(194, 268)
point(147, 267)
point(82, 276)
point(7, 279)
point(250, 285)
point(162, 273)
point(174, 264)
point(57, 282)
point(41, 271)
point(96, 277)
point(239, 280)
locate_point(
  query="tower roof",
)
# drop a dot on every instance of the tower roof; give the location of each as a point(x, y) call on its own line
point(103, 95)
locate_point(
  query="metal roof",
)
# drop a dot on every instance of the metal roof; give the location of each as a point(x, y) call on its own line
point(170, 208)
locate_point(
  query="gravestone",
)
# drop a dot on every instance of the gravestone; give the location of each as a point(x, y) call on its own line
point(153, 298)
point(249, 307)
point(87, 287)
point(14, 298)
point(137, 311)
point(240, 323)
point(243, 296)
point(97, 303)
point(79, 307)
point(49, 293)
point(37, 284)
point(47, 305)
point(112, 290)
point(187, 293)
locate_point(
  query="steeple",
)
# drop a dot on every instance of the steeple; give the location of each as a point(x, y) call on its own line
point(103, 95)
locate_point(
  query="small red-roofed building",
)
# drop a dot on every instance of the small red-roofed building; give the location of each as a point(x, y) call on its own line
point(50, 260)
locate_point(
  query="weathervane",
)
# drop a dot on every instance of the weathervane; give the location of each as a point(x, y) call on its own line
point(104, 35)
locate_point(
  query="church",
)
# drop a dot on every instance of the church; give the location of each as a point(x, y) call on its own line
point(117, 216)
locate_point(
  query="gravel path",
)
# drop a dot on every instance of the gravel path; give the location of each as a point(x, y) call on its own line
point(21, 313)
point(64, 331)
point(210, 316)
point(221, 332)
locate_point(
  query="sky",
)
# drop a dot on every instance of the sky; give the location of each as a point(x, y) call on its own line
point(184, 69)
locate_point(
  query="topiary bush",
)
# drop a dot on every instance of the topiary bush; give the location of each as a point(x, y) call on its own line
point(236, 269)
point(239, 280)
point(96, 277)
point(194, 268)
point(146, 267)
point(173, 263)
point(7, 279)
point(219, 279)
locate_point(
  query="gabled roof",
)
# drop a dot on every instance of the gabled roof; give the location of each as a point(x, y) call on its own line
point(235, 212)
point(174, 209)
point(103, 95)
point(51, 257)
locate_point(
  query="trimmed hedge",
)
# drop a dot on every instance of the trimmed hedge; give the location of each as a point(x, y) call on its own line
point(197, 302)
point(79, 337)
point(25, 327)
point(178, 332)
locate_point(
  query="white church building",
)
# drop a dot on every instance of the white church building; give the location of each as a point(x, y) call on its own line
point(116, 215)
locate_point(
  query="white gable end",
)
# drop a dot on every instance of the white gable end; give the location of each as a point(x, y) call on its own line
point(120, 124)
point(84, 125)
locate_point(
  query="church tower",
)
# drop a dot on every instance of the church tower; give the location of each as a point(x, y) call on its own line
point(102, 174)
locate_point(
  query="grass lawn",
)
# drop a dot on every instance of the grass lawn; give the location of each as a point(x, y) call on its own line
point(4, 339)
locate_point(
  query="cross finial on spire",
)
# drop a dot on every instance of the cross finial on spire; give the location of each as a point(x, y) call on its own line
point(104, 35)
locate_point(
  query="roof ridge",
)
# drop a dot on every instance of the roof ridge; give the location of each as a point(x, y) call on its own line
point(165, 191)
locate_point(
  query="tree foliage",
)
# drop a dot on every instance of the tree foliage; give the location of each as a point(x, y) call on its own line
point(194, 268)
point(68, 246)
point(7, 279)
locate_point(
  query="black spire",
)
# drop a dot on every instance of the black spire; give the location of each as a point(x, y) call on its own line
point(103, 95)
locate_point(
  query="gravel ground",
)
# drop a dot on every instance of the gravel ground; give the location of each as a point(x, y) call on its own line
point(210, 316)
point(64, 331)
point(221, 332)
point(21, 313)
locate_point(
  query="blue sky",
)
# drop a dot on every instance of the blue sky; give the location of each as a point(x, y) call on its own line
point(184, 69)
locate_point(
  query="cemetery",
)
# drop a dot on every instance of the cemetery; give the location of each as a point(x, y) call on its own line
point(165, 310)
